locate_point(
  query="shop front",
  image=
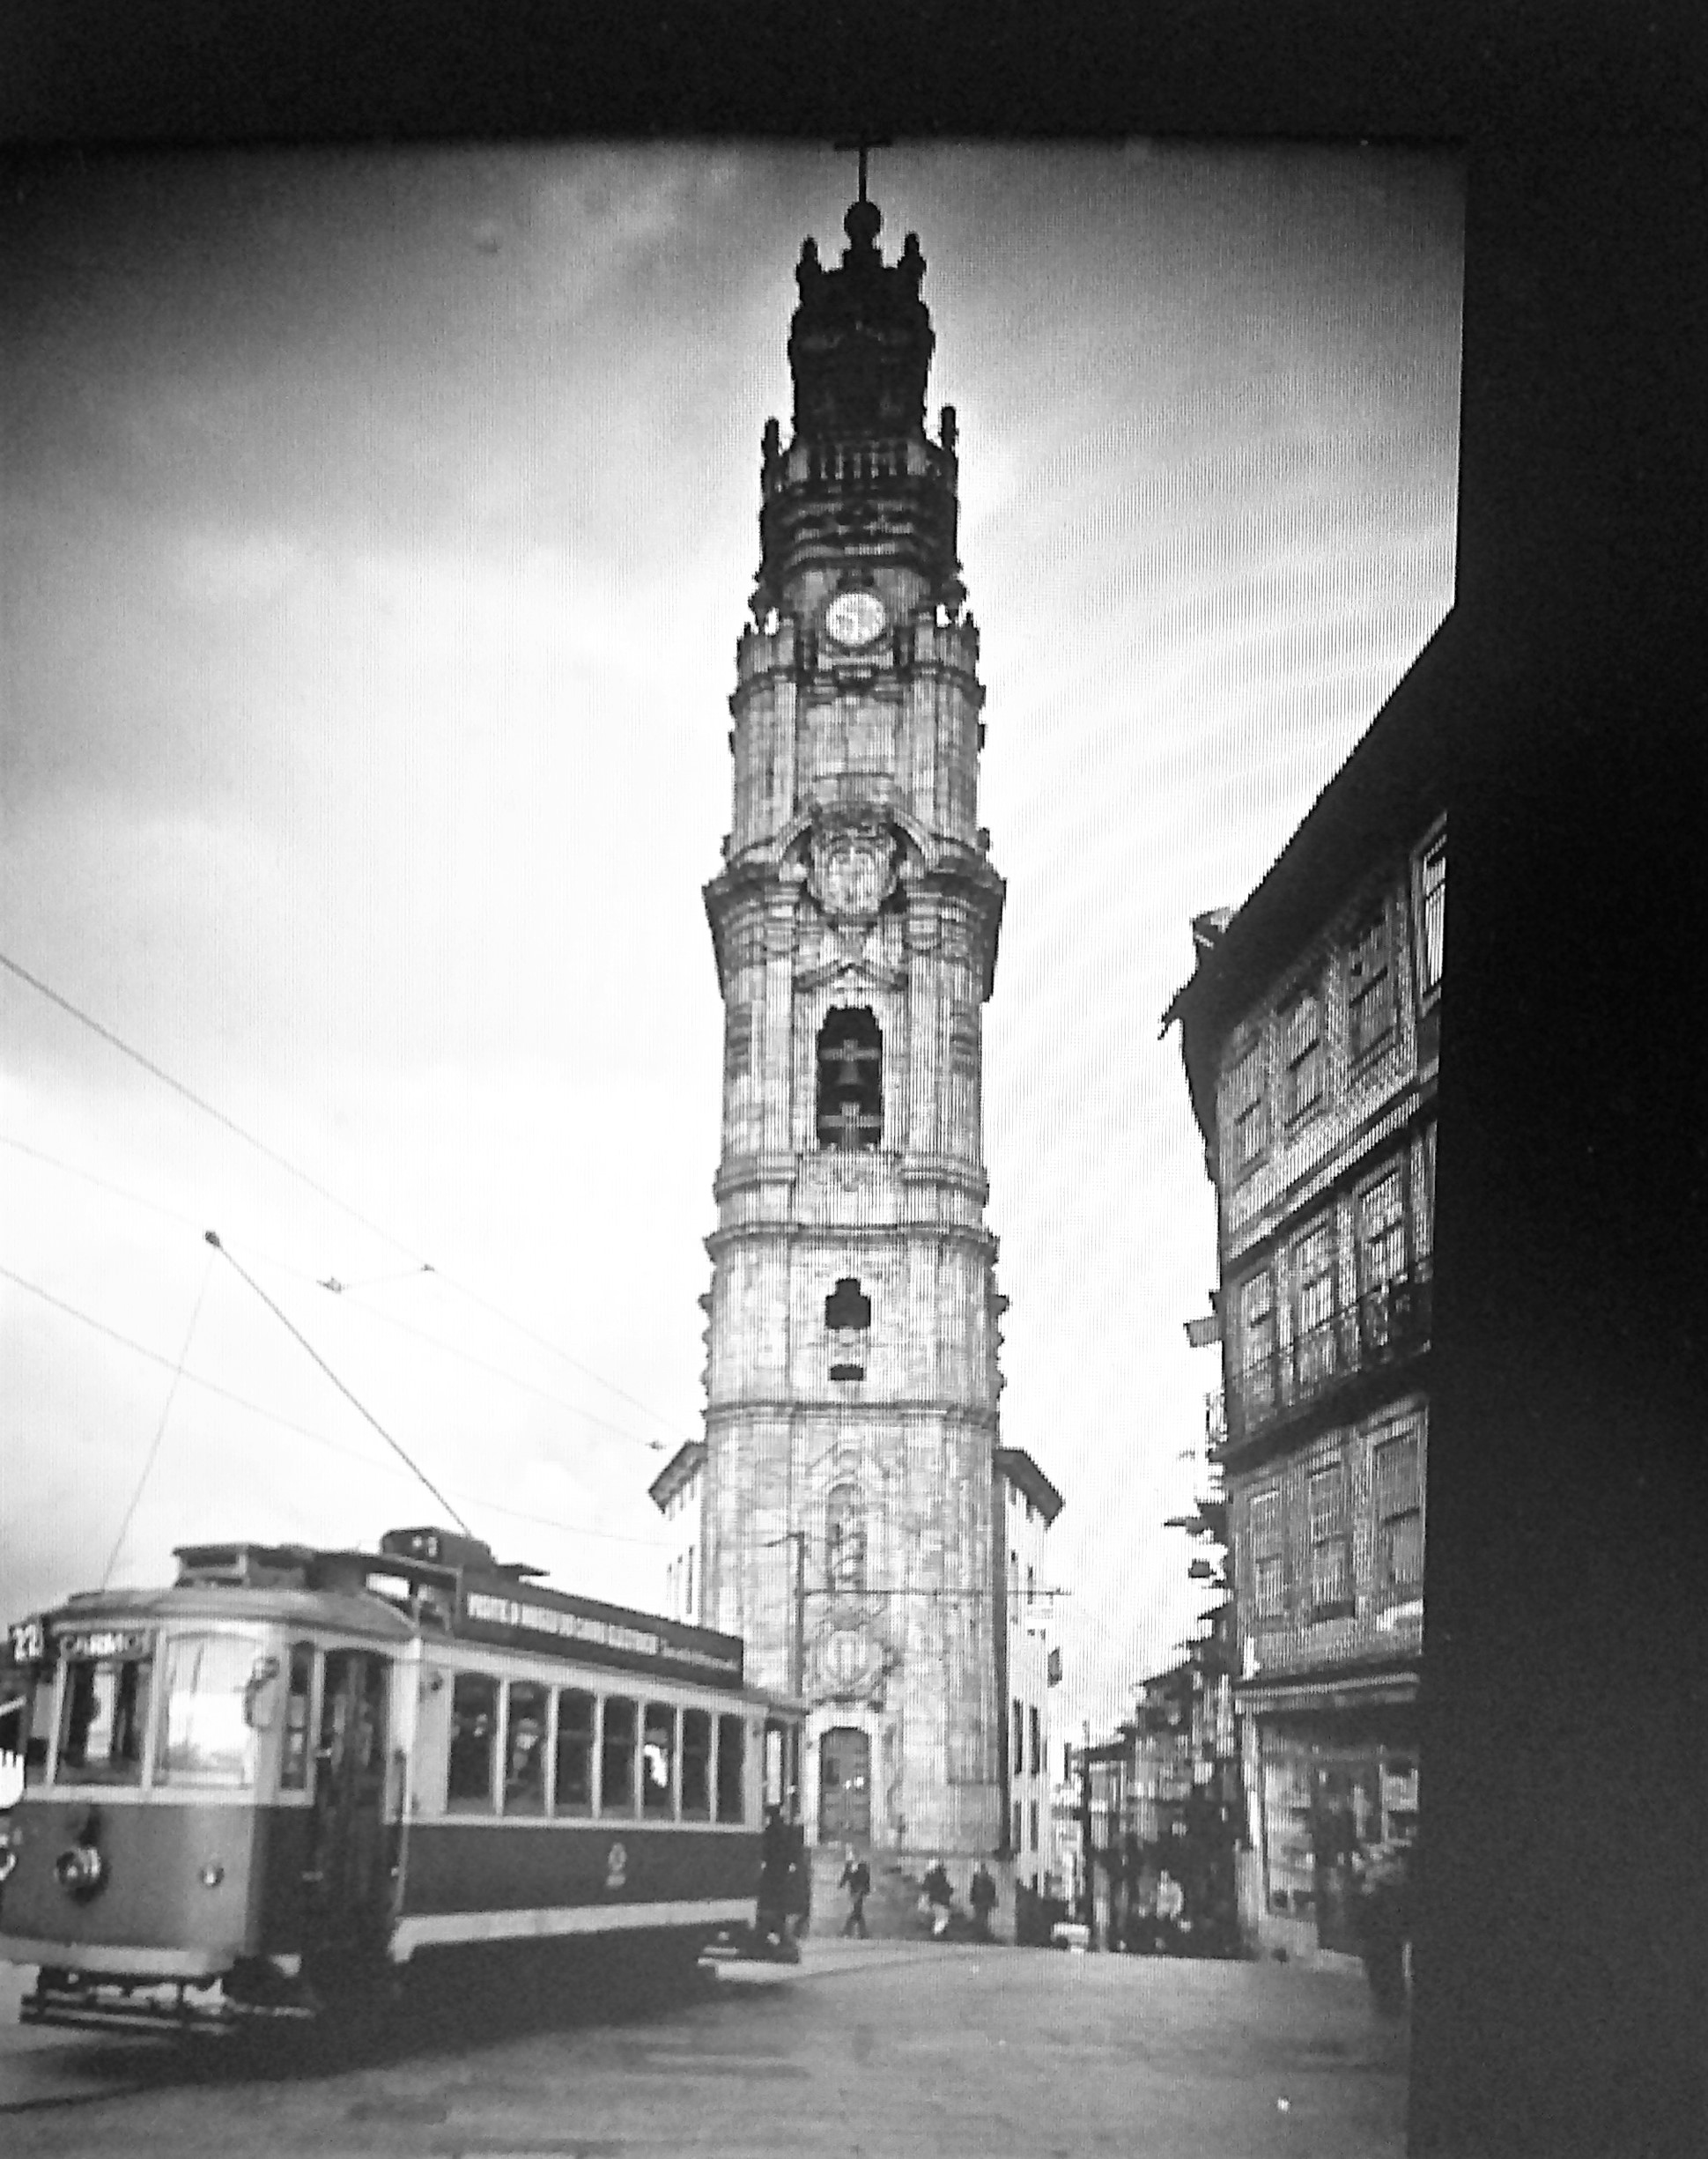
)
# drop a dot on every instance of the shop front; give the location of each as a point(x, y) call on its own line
point(1335, 1767)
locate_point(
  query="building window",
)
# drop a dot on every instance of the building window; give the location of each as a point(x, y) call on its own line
point(1269, 1563)
point(850, 1080)
point(1382, 1272)
point(1432, 915)
point(1257, 1343)
point(1248, 1107)
point(1301, 1034)
point(1032, 1825)
point(1313, 1307)
point(848, 1322)
point(1370, 986)
point(1331, 1573)
point(1400, 1514)
point(1035, 1746)
point(1020, 1737)
point(845, 1540)
point(1031, 1588)
point(689, 1601)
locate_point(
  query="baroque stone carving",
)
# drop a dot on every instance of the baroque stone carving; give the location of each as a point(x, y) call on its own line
point(853, 868)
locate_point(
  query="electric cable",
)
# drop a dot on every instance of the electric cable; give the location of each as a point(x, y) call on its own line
point(286, 1423)
point(292, 1328)
point(159, 1429)
point(372, 1311)
point(398, 1244)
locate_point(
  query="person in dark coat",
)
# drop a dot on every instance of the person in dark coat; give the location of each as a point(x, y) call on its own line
point(982, 1896)
point(775, 1854)
point(857, 1880)
point(939, 1896)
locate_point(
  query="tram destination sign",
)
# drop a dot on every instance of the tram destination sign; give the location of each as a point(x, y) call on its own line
point(603, 1634)
point(104, 1643)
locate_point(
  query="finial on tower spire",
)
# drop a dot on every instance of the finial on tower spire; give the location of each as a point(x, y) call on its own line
point(863, 146)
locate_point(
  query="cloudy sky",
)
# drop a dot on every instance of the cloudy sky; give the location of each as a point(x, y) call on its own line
point(374, 534)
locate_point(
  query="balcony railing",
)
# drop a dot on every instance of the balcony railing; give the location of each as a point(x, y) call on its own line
point(1389, 1322)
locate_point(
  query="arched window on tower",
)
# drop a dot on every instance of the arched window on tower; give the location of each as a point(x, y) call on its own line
point(845, 1539)
point(848, 1322)
point(850, 1079)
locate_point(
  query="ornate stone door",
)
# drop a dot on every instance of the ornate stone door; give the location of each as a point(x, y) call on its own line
point(845, 1787)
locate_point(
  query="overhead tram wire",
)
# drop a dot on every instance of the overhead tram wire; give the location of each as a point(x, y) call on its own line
point(286, 1423)
point(371, 1312)
point(292, 1328)
point(421, 1266)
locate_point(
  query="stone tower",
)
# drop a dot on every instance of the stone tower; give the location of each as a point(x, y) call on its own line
point(851, 1377)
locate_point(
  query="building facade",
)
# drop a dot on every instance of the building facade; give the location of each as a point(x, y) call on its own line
point(675, 1492)
point(850, 1525)
point(1312, 1036)
point(1027, 1504)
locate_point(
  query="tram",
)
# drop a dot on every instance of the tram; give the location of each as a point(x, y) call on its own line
point(269, 1789)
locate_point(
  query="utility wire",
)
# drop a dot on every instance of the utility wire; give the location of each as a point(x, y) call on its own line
point(207, 1108)
point(292, 1328)
point(286, 1423)
point(371, 1312)
point(159, 1431)
point(421, 1265)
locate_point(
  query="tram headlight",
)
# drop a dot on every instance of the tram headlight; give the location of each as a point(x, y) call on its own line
point(80, 1871)
point(211, 1876)
point(8, 1853)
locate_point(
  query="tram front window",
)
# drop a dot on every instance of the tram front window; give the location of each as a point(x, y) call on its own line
point(106, 1715)
point(218, 1691)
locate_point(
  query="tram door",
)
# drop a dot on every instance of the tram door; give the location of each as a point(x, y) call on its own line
point(349, 1877)
point(845, 1787)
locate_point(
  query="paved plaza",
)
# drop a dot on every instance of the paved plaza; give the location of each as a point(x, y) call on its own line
point(864, 2048)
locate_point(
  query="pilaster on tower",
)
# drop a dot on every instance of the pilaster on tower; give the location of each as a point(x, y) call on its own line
point(852, 1374)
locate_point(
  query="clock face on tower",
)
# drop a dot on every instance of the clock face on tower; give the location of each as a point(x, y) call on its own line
point(856, 618)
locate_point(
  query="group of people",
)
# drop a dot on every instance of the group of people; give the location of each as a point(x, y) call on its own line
point(936, 1896)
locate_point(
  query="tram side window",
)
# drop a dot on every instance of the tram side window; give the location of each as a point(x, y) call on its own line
point(574, 1790)
point(100, 1740)
point(294, 1752)
point(616, 1758)
point(695, 1765)
point(657, 1755)
point(524, 1750)
point(213, 1684)
point(732, 1764)
point(474, 1727)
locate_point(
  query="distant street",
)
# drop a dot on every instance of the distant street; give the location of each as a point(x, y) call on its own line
point(865, 2048)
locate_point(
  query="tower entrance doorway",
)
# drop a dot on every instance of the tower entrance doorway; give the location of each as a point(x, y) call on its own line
point(845, 1787)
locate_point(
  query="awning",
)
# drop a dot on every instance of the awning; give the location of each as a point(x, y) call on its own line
point(1345, 1691)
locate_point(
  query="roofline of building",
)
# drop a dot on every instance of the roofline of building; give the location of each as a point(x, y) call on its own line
point(1390, 786)
point(1019, 1468)
point(690, 1456)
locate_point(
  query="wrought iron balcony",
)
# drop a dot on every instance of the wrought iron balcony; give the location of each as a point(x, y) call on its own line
point(1387, 1324)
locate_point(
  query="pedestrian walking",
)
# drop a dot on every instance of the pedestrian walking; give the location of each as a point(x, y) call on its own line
point(939, 1896)
point(982, 1896)
point(857, 1880)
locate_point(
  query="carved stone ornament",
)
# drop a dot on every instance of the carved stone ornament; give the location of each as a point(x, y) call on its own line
point(854, 869)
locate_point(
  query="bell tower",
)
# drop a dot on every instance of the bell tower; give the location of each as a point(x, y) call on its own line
point(851, 1376)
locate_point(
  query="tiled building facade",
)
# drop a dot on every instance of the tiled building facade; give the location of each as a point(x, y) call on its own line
point(1311, 1034)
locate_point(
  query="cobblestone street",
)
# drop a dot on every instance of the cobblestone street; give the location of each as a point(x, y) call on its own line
point(865, 2048)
